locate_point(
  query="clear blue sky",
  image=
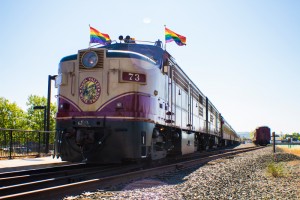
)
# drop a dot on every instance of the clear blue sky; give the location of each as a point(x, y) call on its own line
point(243, 54)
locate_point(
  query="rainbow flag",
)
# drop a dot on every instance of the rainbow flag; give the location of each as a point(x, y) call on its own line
point(172, 36)
point(97, 37)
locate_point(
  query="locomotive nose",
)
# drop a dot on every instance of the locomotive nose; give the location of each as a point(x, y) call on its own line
point(85, 137)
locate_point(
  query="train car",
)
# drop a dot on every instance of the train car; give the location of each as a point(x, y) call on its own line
point(230, 137)
point(129, 102)
point(262, 136)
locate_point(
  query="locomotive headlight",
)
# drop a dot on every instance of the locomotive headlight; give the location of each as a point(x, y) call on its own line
point(119, 105)
point(89, 59)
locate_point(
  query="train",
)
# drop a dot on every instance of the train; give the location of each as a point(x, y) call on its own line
point(130, 101)
point(261, 136)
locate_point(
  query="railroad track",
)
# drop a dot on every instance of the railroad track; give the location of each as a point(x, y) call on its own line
point(42, 170)
point(52, 185)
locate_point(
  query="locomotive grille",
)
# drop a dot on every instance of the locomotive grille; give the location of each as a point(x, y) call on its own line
point(100, 53)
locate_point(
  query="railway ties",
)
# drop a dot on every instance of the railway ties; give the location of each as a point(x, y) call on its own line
point(90, 179)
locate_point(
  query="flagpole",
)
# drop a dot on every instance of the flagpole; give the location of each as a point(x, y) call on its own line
point(90, 37)
point(165, 39)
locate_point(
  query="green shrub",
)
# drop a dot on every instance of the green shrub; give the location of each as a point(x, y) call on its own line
point(276, 169)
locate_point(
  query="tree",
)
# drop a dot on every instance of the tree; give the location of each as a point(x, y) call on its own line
point(295, 136)
point(251, 134)
point(11, 116)
point(36, 117)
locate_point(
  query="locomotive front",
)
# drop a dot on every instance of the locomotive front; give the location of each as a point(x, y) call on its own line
point(106, 102)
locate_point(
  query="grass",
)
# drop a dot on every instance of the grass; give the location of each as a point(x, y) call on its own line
point(279, 169)
point(293, 150)
point(276, 169)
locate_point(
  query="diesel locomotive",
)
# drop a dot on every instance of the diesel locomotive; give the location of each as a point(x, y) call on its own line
point(130, 101)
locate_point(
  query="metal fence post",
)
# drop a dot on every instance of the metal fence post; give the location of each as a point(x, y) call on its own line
point(27, 144)
point(39, 153)
point(10, 144)
point(5, 140)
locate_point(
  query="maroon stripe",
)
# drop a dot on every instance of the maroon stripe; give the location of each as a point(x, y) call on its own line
point(134, 105)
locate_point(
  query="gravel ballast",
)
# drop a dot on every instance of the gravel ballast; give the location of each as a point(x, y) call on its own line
point(244, 176)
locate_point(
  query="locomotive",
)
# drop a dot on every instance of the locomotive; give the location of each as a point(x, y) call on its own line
point(129, 101)
point(262, 136)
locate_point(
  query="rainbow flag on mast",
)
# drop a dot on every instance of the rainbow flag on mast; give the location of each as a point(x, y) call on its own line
point(172, 36)
point(98, 37)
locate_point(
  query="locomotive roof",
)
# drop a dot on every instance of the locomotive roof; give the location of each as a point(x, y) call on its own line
point(152, 51)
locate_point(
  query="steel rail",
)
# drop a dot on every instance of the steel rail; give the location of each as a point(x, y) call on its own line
point(45, 174)
point(65, 179)
point(41, 170)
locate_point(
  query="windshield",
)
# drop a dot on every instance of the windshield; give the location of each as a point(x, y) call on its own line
point(154, 53)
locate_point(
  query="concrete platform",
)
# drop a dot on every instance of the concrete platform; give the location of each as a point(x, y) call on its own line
point(29, 163)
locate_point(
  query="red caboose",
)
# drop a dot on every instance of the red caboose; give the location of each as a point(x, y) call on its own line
point(262, 135)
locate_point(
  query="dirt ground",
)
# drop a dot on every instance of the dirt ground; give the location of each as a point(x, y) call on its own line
point(293, 150)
